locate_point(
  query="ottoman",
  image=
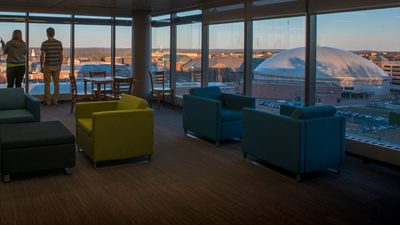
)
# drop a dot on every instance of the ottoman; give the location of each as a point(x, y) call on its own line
point(26, 147)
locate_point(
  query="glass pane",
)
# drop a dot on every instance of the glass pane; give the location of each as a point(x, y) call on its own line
point(188, 60)
point(37, 34)
point(226, 57)
point(123, 51)
point(278, 62)
point(358, 61)
point(161, 51)
point(6, 30)
point(92, 49)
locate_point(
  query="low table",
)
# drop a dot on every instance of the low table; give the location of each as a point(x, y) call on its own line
point(27, 147)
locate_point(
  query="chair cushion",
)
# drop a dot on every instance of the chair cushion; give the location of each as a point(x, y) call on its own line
point(287, 110)
point(12, 98)
point(207, 92)
point(86, 125)
point(131, 102)
point(16, 116)
point(22, 135)
point(313, 112)
point(231, 115)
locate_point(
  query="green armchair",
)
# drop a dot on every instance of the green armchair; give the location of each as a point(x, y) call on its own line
point(115, 130)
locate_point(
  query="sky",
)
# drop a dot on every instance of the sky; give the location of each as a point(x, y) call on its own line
point(362, 30)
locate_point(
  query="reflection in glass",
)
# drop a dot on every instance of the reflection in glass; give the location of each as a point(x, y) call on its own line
point(226, 57)
point(278, 62)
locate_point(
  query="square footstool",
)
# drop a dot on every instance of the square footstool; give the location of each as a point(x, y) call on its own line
point(27, 147)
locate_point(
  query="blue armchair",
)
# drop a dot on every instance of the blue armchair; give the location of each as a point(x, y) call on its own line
point(214, 115)
point(18, 107)
point(300, 140)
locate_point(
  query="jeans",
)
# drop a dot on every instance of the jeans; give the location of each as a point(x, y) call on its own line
point(51, 73)
point(15, 75)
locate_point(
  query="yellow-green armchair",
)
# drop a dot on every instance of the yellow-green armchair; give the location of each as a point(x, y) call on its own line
point(115, 129)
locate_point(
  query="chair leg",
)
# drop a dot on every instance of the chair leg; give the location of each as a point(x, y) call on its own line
point(298, 178)
point(68, 171)
point(149, 157)
point(217, 144)
point(6, 178)
point(185, 131)
point(72, 107)
point(173, 98)
point(95, 165)
point(244, 155)
point(158, 100)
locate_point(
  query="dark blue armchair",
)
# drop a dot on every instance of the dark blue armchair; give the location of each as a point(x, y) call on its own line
point(18, 107)
point(300, 140)
point(214, 115)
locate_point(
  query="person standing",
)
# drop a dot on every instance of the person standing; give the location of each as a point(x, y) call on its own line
point(51, 57)
point(16, 51)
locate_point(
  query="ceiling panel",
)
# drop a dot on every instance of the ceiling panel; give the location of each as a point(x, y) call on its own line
point(108, 7)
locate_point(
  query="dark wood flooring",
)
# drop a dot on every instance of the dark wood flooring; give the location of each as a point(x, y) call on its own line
point(189, 181)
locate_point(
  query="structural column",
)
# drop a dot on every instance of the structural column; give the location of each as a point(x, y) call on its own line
point(311, 59)
point(204, 54)
point(248, 58)
point(141, 51)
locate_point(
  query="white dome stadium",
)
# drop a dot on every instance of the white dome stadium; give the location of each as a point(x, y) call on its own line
point(346, 69)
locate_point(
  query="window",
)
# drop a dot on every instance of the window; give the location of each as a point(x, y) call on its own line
point(8, 23)
point(160, 57)
point(278, 62)
point(357, 71)
point(226, 49)
point(92, 45)
point(188, 59)
point(123, 47)
point(37, 34)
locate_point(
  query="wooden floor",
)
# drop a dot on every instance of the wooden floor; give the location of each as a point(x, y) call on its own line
point(189, 181)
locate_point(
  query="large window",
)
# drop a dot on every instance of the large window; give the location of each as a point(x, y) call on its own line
point(7, 26)
point(188, 59)
point(123, 47)
point(226, 49)
point(160, 56)
point(92, 45)
point(278, 62)
point(358, 57)
point(37, 34)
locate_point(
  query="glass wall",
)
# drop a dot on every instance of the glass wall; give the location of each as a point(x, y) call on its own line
point(226, 49)
point(37, 34)
point(278, 62)
point(123, 47)
point(92, 45)
point(160, 55)
point(188, 60)
point(7, 25)
point(357, 60)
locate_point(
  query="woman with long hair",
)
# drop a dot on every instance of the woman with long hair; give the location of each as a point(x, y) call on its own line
point(16, 51)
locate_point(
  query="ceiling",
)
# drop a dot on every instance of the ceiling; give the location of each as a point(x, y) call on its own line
point(107, 7)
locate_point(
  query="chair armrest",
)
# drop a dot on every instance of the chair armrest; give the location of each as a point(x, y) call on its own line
point(86, 109)
point(325, 142)
point(122, 131)
point(238, 102)
point(33, 106)
point(202, 115)
point(276, 139)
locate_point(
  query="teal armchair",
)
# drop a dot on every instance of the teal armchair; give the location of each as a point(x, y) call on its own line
point(214, 115)
point(18, 107)
point(300, 140)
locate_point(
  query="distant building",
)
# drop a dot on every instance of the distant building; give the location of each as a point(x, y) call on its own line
point(354, 75)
